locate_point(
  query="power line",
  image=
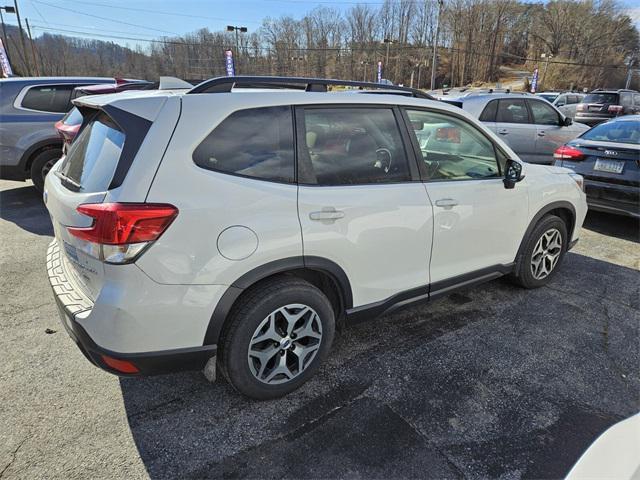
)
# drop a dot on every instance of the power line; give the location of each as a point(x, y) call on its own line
point(160, 12)
point(103, 18)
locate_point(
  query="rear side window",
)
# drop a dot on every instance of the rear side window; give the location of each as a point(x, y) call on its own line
point(93, 157)
point(606, 98)
point(636, 98)
point(512, 111)
point(489, 112)
point(351, 146)
point(255, 143)
point(625, 99)
point(48, 98)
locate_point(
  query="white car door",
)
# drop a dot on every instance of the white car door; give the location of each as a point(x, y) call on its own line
point(361, 203)
point(478, 223)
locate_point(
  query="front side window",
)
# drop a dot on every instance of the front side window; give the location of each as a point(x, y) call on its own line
point(451, 148)
point(48, 98)
point(512, 111)
point(93, 157)
point(350, 146)
point(255, 143)
point(543, 113)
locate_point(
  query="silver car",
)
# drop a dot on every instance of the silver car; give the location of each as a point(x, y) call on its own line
point(29, 107)
point(531, 126)
point(567, 103)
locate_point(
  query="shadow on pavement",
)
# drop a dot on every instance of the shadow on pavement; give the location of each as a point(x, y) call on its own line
point(24, 207)
point(491, 382)
point(626, 228)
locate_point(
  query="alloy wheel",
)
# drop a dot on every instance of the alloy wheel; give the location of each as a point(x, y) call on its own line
point(47, 167)
point(546, 253)
point(285, 344)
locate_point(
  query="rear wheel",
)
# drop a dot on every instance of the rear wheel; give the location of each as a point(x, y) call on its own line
point(543, 252)
point(41, 165)
point(278, 335)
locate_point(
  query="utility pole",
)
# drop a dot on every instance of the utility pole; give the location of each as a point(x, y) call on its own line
point(33, 48)
point(627, 84)
point(231, 28)
point(435, 47)
point(388, 41)
point(547, 57)
point(419, 71)
point(22, 40)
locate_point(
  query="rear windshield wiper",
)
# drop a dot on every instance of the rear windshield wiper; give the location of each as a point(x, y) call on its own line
point(67, 180)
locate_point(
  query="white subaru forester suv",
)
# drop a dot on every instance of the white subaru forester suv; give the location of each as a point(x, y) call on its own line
point(236, 224)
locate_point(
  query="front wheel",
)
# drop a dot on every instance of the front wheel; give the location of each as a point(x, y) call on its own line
point(278, 335)
point(543, 253)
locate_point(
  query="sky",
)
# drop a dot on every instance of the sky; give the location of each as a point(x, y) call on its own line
point(148, 19)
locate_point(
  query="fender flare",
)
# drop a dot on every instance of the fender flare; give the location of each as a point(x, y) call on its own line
point(228, 299)
point(536, 218)
point(48, 142)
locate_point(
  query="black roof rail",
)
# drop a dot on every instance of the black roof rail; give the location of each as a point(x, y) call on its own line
point(226, 84)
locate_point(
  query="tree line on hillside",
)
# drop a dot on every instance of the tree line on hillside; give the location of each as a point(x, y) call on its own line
point(586, 43)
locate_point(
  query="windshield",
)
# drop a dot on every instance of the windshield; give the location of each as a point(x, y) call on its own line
point(93, 157)
point(549, 97)
point(610, 98)
point(620, 132)
point(73, 117)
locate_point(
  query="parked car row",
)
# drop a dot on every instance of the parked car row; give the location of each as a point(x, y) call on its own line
point(36, 119)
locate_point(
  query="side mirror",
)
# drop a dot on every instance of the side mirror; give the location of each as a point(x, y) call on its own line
point(567, 121)
point(512, 174)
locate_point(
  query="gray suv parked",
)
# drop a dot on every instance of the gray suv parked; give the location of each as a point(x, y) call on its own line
point(531, 126)
point(29, 107)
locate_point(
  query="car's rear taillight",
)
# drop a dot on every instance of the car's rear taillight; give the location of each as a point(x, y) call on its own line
point(565, 152)
point(614, 108)
point(581, 107)
point(124, 230)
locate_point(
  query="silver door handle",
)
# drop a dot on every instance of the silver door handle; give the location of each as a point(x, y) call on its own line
point(446, 202)
point(326, 214)
point(541, 133)
point(503, 131)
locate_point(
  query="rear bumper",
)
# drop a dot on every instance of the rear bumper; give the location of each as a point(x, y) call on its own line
point(591, 120)
point(612, 198)
point(72, 304)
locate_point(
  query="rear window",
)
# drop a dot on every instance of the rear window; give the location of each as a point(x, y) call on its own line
point(48, 98)
point(256, 143)
point(93, 157)
point(608, 98)
point(74, 117)
point(621, 132)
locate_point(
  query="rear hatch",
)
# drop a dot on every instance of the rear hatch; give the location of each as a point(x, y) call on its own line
point(83, 177)
point(599, 105)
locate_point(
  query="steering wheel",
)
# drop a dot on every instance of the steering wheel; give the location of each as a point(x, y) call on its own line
point(383, 155)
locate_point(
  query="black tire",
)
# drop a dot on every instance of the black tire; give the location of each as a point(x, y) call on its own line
point(524, 276)
point(250, 311)
point(41, 165)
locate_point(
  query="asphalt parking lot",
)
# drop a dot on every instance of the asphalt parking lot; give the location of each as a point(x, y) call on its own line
point(491, 382)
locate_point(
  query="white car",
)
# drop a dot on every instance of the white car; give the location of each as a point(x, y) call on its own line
point(236, 228)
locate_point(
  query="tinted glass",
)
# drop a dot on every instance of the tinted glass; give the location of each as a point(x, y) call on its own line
point(49, 98)
point(512, 111)
point(543, 113)
point(93, 157)
point(636, 98)
point(73, 117)
point(489, 112)
point(561, 100)
point(622, 132)
point(349, 146)
point(549, 97)
point(256, 143)
point(625, 99)
point(451, 148)
point(609, 98)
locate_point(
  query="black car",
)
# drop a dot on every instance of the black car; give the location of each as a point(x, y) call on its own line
point(602, 105)
point(608, 157)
